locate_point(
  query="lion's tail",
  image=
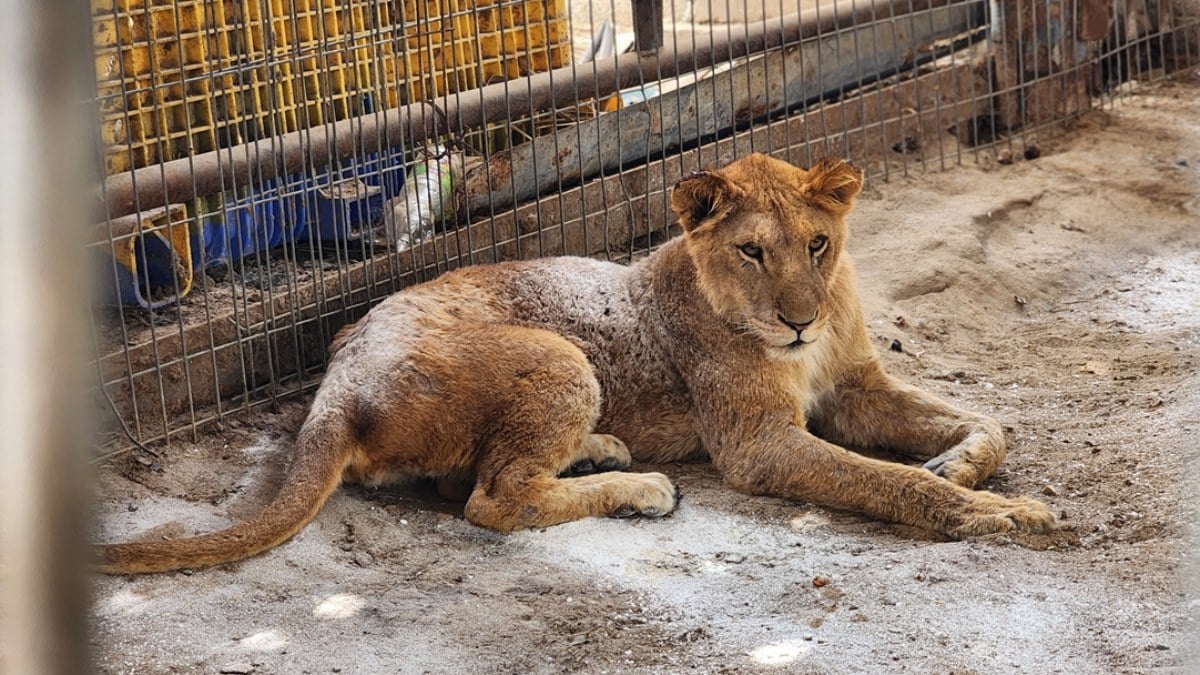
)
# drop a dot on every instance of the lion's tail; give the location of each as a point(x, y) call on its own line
point(324, 448)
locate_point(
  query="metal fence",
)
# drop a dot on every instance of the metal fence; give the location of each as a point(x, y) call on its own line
point(273, 168)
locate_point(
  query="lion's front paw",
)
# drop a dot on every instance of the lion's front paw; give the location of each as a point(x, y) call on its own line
point(966, 466)
point(648, 494)
point(990, 514)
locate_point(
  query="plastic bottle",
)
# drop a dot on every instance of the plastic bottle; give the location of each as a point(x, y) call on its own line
point(428, 198)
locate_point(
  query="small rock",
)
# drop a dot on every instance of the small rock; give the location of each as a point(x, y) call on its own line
point(144, 461)
point(819, 581)
point(237, 669)
point(1032, 152)
point(731, 558)
point(1004, 157)
point(1181, 163)
point(363, 559)
point(132, 507)
point(896, 346)
point(1050, 491)
point(578, 639)
point(900, 321)
point(217, 273)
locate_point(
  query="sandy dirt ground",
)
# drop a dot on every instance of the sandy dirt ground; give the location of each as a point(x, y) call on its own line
point(1061, 295)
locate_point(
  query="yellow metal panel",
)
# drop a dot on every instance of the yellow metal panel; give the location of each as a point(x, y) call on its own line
point(178, 77)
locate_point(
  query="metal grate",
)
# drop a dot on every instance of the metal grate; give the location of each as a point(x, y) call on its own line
point(255, 148)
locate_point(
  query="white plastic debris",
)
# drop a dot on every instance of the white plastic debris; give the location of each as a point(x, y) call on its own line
point(427, 199)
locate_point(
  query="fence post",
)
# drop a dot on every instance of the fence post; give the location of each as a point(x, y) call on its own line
point(647, 24)
point(43, 84)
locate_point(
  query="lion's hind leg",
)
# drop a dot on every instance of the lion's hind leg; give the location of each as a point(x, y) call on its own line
point(545, 401)
point(599, 453)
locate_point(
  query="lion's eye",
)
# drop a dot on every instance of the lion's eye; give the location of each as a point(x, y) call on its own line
point(752, 251)
point(818, 244)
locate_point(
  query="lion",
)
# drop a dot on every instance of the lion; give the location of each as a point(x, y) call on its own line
point(530, 387)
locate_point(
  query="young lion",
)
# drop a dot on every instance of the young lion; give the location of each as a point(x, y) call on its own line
point(742, 340)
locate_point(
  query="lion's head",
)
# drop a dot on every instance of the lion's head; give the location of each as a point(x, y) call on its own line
point(766, 239)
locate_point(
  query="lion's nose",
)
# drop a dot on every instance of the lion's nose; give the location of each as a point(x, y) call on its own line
point(797, 326)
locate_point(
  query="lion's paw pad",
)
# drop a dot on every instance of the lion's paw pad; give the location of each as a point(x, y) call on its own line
point(583, 467)
point(612, 464)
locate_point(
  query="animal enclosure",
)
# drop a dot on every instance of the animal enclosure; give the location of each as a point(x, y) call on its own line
point(273, 168)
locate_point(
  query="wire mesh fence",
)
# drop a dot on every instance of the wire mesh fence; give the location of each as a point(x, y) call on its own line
point(273, 168)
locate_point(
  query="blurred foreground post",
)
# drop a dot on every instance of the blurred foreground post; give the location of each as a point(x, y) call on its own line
point(44, 47)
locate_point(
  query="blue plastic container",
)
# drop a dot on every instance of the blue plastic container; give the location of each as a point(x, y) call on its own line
point(333, 206)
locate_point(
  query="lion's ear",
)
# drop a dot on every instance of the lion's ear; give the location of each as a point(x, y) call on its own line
point(703, 196)
point(832, 185)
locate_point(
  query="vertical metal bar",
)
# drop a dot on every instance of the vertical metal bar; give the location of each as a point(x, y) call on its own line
point(171, 225)
point(155, 86)
point(911, 18)
point(645, 197)
point(1017, 72)
point(937, 108)
point(892, 19)
point(290, 245)
point(860, 92)
point(666, 193)
point(506, 39)
point(883, 147)
point(262, 256)
point(442, 263)
point(789, 145)
point(840, 34)
point(487, 151)
point(125, 337)
point(200, 280)
point(608, 251)
point(459, 16)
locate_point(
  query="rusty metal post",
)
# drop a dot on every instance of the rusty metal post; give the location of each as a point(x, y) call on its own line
point(647, 25)
point(712, 106)
point(1041, 48)
point(42, 306)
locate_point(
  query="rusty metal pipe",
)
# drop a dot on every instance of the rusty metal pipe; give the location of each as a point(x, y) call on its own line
point(188, 178)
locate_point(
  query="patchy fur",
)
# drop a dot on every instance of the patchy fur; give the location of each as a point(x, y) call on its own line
point(522, 386)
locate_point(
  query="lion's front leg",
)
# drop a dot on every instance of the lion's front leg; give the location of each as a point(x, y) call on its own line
point(878, 411)
point(789, 462)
